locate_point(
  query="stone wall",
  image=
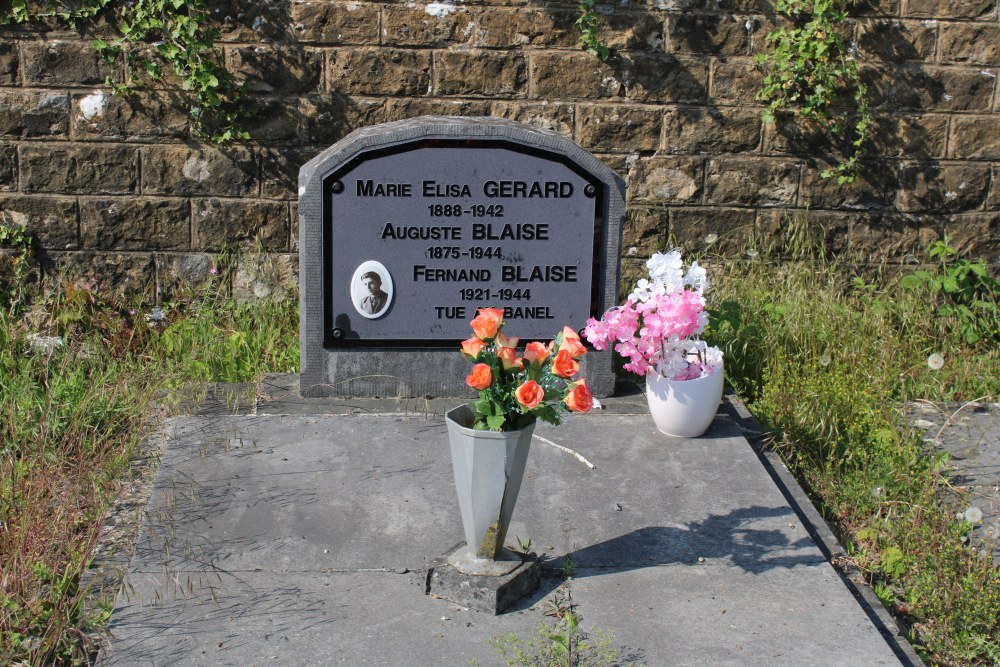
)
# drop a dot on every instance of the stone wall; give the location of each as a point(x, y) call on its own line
point(118, 191)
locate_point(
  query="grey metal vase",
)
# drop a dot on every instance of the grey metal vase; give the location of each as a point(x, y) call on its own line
point(488, 466)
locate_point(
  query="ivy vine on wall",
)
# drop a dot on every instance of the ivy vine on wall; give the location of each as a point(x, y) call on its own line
point(158, 38)
point(811, 70)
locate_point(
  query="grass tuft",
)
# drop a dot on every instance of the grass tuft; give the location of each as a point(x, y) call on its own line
point(72, 413)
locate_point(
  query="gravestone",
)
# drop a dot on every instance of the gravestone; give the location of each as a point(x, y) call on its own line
point(406, 228)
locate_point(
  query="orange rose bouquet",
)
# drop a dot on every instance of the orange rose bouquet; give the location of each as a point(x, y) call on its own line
point(515, 387)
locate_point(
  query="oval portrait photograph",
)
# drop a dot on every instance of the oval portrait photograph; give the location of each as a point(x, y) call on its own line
point(371, 289)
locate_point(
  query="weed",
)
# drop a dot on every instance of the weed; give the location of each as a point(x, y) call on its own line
point(569, 567)
point(963, 291)
point(524, 546)
point(564, 644)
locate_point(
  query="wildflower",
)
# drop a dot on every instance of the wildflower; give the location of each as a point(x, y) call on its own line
point(973, 514)
point(935, 362)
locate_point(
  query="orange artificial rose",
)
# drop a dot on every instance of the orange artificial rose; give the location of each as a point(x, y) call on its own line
point(568, 332)
point(564, 365)
point(487, 323)
point(480, 378)
point(504, 341)
point(529, 394)
point(536, 352)
point(471, 347)
point(573, 346)
point(508, 357)
point(579, 398)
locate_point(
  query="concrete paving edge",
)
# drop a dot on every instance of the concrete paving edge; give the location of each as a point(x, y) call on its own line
point(821, 533)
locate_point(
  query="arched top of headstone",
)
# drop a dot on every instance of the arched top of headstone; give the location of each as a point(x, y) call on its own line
point(427, 128)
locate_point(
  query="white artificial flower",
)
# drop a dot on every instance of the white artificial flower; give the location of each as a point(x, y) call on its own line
point(697, 278)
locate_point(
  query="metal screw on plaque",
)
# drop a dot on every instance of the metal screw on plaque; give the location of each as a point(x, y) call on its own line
point(590, 190)
point(338, 187)
point(338, 333)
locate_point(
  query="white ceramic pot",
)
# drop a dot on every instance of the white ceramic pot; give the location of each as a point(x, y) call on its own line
point(684, 408)
point(488, 467)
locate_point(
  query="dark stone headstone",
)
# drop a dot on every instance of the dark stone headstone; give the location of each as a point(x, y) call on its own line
point(406, 228)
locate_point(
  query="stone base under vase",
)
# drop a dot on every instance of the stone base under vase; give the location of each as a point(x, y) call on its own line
point(492, 593)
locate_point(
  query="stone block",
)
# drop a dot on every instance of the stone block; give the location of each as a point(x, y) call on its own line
point(631, 270)
point(80, 169)
point(630, 30)
point(993, 202)
point(891, 236)
point(328, 118)
point(180, 170)
point(976, 137)
point(736, 81)
point(423, 26)
point(33, 114)
point(752, 182)
point(975, 43)
point(509, 28)
point(618, 162)
point(951, 9)
point(573, 75)
point(400, 109)
point(718, 231)
point(335, 23)
point(645, 231)
point(280, 170)
point(490, 594)
point(253, 21)
point(975, 235)
point(277, 120)
point(656, 78)
point(227, 221)
point(135, 223)
point(897, 135)
point(9, 61)
point(8, 167)
point(713, 33)
point(63, 62)
point(177, 272)
point(880, 81)
point(792, 233)
point(932, 186)
point(143, 115)
point(260, 276)
point(792, 134)
point(487, 73)
point(116, 272)
point(618, 128)
point(379, 71)
point(876, 7)
point(546, 115)
point(288, 69)
point(51, 220)
point(895, 41)
point(666, 180)
point(942, 88)
point(711, 130)
point(875, 187)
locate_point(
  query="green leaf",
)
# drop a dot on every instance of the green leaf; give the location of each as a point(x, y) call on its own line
point(495, 422)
